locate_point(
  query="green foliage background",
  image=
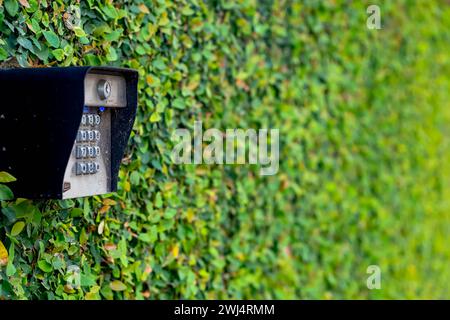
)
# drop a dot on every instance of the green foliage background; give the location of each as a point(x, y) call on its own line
point(363, 118)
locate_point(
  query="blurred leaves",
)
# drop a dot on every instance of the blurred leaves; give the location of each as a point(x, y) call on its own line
point(363, 123)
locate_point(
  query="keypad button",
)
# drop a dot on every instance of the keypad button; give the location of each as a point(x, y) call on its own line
point(91, 167)
point(97, 167)
point(91, 152)
point(97, 151)
point(91, 135)
point(91, 119)
point(97, 135)
point(81, 136)
point(81, 168)
point(97, 119)
point(80, 152)
point(83, 120)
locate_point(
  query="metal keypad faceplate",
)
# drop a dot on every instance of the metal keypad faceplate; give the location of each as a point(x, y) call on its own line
point(88, 170)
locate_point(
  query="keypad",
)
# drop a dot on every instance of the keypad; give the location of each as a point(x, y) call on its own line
point(86, 148)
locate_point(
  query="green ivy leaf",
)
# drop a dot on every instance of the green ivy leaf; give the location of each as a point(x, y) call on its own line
point(35, 26)
point(6, 177)
point(110, 11)
point(187, 11)
point(45, 19)
point(45, 266)
point(43, 53)
point(158, 200)
point(155, 117)
point(87, 280)
point(51, 38)
point(5, 193)
point(159, 64)
point(170, 213)
point(3, 54)
point(114, 35)
point(149, 237)
point(79, 32)
point(179, 103)
point(12, 6)
point(58, 54)
point(17, 228)
point(27, 44)
point(134, 178)
point(112, 54)
point(76, 212)
point(117, 285)
point(10, 268)
point(22, 210)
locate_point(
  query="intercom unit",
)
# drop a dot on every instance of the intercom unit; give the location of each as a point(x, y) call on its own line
point(63, 131)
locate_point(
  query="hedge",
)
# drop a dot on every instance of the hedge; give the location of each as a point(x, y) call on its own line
point(363, 118)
